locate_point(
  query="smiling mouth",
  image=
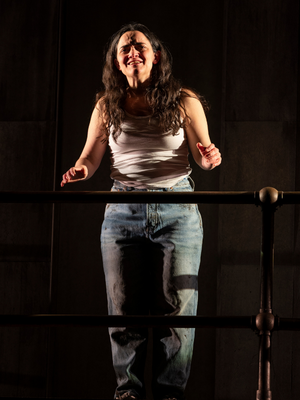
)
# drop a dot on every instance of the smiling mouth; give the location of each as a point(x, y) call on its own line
point(134, 62)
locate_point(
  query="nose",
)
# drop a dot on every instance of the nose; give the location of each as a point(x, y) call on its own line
point(133, 51)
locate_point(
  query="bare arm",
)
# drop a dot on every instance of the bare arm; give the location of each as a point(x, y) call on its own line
point(206, 155)
point(92, 152)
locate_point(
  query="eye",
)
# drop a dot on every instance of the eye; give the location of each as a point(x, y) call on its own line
point(124, 49)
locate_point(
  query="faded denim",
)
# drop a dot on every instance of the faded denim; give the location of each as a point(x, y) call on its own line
point(151, 256)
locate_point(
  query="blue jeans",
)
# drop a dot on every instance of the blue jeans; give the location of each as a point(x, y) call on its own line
point(151, 257)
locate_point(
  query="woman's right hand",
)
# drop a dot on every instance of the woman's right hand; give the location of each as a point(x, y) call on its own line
point(74, 174)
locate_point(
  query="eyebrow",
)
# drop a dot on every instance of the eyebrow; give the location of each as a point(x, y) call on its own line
point(130, 44)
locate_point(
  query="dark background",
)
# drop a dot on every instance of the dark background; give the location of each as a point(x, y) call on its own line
point(244, 57)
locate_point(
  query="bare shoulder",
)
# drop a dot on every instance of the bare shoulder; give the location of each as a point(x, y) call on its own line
point(100, 104)
point(192, 104)
point(99, 114)
point(188, 93)
point(98, 127)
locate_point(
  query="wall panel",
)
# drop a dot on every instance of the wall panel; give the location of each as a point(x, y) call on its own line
point(259, 145)
point(28, 87)
point(261, 60)
point(28, 31)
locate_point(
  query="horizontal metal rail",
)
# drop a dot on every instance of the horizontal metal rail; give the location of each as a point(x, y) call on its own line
point(131, 197)
point(289, 324)
point(128, 320)
point(288, 198)
point(149, 321)
point(225, 197)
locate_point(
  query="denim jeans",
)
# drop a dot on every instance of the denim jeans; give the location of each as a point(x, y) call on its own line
point(151, 257)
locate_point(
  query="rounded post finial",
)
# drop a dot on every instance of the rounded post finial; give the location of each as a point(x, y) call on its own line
point(268, 195)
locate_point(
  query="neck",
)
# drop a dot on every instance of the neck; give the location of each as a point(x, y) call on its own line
point(136, 92)
point(136, 84)
point(136, 102)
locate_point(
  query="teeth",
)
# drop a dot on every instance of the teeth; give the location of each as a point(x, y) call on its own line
point(134, 62)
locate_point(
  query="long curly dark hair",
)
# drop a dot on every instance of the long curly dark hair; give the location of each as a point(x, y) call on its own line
point(164, 94)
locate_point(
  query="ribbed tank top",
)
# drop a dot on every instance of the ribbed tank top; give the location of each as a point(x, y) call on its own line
point(143, 156)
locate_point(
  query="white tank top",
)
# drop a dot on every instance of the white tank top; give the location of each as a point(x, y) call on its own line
point(145, 157)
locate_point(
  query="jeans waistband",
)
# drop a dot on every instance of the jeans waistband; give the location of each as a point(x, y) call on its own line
point(185, 181)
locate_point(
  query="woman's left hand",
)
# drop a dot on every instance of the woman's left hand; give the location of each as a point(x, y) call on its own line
point(211, 156)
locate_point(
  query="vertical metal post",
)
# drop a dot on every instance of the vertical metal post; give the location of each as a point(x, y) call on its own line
point(60, 4)
point(265, 319)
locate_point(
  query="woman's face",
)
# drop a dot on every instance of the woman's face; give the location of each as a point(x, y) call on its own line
point(135, 57)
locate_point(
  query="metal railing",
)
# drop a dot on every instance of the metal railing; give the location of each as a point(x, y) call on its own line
point(264, 323)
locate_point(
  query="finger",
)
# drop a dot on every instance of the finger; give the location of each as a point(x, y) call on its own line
point(72, 171)
point(75, 170)
point(217, 162)
point(80, 173)
point(64, 181)
point(214, 154)
point(69, 175)
point(210, 147)
point(209, 157)
point(210, 151)
point(201, 149)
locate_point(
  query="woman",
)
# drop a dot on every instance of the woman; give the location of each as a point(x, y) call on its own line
point(151, 252)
